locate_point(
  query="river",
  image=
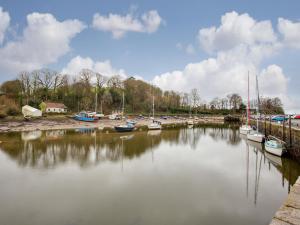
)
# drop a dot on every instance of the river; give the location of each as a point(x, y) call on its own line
point(205, 175)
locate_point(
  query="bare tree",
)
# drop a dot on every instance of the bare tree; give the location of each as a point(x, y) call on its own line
point(115, 82)
point(24, 78)
point(195, 98)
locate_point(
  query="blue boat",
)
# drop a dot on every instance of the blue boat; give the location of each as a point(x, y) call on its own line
point(279, 118)
point(83, 116)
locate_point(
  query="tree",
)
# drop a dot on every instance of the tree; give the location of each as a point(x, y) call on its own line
point(236, 101)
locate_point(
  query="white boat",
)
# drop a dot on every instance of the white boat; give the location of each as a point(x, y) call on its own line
point(274, 146)
point(190, 122)
point(245, 129)
point(255, 135)
point(155, 125)
point(29, 112)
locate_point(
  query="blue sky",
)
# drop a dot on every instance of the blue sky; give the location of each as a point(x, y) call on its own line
point(151, 54)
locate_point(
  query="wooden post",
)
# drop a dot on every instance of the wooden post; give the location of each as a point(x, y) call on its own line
point(265, 126)
point(290, 129)
point(270, 127)
point(283, 130)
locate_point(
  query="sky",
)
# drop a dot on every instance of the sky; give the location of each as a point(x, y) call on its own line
point(176, 45)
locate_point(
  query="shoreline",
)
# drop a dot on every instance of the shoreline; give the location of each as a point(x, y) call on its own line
point(65, 123)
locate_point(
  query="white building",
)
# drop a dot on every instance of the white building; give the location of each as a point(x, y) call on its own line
point(53, 107)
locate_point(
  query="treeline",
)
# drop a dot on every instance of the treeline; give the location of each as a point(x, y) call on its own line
point(89, 90)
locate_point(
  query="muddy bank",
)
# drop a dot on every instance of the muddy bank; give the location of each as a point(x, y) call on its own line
point(103, 124)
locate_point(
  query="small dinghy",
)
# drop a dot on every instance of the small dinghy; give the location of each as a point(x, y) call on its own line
point(275, 146)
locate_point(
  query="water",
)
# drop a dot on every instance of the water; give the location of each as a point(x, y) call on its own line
point(185, 176)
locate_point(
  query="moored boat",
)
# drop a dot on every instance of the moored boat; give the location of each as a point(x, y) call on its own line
point(125, 128)
point(274, 146)
point(154, 126)
point(245, 129)
point(83, 116)
point(256, 136)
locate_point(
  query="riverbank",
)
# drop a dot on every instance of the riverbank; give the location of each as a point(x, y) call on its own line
point(289, 212)
point(63, 122)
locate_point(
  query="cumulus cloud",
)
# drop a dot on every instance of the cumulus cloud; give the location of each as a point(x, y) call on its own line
point(236, 29)
point(290, 32)
point(103, 67)
point(4, 23)
point(240, 44)
point(119, 25)
point(43, 41)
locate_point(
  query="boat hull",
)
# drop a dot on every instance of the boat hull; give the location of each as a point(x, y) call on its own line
point(124, 129)
point(154, 127)
point(256, 137)
point(84, 119)
point(274, 151)
point(245, 130)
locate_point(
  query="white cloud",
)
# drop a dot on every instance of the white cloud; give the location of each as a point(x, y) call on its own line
point(273, 80)
point(234, 30)
point(240, 45)
point(119, 25)
point(290, 32)
point(4, 23)
point(103, 67)
point(44, 40)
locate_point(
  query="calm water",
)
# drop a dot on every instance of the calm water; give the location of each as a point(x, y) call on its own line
point(187, 176)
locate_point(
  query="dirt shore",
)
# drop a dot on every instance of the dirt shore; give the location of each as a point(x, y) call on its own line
point(69, 123)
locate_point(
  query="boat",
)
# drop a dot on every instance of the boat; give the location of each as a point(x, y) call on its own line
point(83, 116)
point(125, 128)
point(131, 121)
point(190, 122)
point(245, 129)
point(30, 112)
point(296, 117)
point(279, 118)
point(155, 125)
point(274, 159)
point(255, 135)
point(274, 145)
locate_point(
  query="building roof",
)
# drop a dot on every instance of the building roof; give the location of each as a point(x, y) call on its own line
point(55, 105)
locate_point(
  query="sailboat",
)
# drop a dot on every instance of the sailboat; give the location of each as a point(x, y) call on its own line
point(154, 125)
point(255, 135)
point(245, 129)
point(275, 146)
point(125, 127)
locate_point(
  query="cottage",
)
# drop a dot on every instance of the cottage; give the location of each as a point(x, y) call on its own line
point(52, 107)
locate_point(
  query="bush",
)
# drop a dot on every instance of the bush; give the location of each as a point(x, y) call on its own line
point(2, 114)
point(8, 107)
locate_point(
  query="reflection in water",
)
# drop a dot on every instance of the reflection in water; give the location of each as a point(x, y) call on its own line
point(178, 176)
point(87, 147)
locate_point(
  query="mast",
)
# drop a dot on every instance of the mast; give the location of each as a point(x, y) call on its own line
point(96, 100)
point(123, 104)
point(153, 106)
point(248, 104)
point(258, 103)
